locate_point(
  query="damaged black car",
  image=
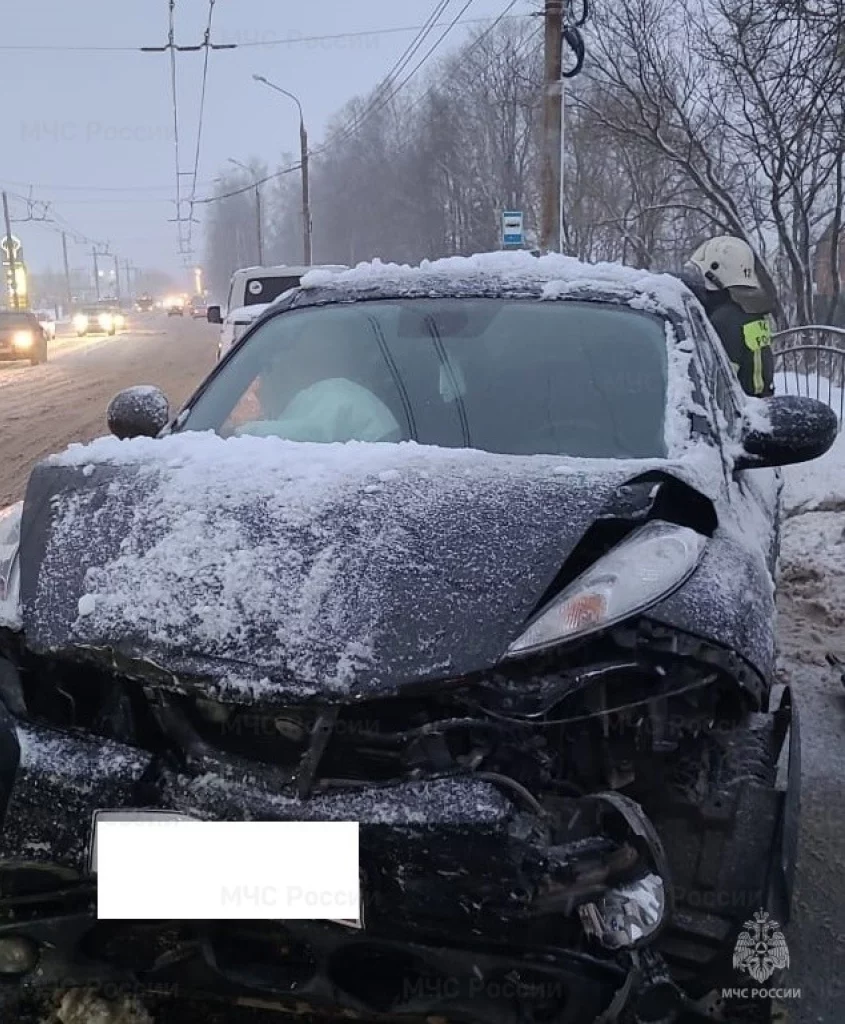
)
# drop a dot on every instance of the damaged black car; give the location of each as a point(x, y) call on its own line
point(479, 554)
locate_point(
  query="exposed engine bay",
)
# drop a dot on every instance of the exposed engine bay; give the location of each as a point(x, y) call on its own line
point(572, 834)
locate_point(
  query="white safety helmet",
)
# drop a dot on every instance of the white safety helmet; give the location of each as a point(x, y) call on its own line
point(726, 262)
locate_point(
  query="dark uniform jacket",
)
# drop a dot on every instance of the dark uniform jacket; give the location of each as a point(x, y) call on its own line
point(747, 338)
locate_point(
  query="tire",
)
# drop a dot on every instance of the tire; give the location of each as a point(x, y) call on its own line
point(719, 864)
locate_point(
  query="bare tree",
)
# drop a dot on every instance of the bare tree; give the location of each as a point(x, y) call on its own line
point(739, 101)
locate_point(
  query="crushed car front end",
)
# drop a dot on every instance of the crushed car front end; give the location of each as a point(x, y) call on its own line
point(584, 827)
point(549, 837)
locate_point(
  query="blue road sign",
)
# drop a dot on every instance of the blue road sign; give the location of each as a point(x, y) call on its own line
point(512, 233)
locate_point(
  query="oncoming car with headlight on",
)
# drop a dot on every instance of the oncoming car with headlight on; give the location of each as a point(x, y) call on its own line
point(22, 337)
point(478, 554)
point(94, 320)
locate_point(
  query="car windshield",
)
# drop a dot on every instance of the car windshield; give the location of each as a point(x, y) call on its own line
point(510, 376)
point(14, 318)
point(266, 289)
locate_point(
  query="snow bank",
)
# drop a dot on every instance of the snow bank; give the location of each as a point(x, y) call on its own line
point(812, 566)
point(555, 275)
point(819, 485)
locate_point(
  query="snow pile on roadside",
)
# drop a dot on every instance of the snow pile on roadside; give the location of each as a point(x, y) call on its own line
point(812, 574)
point(817, 486)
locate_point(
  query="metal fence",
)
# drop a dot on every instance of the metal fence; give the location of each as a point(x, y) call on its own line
point(810, 361)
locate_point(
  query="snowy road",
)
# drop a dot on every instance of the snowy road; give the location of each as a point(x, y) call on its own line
point(42, 408)
point(812, 625)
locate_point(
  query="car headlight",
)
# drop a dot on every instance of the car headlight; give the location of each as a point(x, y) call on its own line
point(647, 566)
point(80, 321)
point(10, 583)
point(23, 339)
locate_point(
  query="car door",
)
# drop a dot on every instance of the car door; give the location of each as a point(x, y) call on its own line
point(755, 494)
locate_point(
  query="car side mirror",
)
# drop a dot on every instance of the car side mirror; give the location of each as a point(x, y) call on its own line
point(785, 430)
point(141, 411)
point(213, 315)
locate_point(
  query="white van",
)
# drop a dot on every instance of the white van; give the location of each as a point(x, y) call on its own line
point(251, 290)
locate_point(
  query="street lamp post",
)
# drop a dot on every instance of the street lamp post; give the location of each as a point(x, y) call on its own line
point(237, 163)
point(303, 149)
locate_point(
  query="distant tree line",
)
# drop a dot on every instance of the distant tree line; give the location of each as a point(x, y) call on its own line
point(692, 117)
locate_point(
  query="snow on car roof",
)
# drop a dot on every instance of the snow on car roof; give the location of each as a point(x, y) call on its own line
point(552, 276)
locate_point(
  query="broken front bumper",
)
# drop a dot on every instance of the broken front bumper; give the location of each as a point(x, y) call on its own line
point(468, 896)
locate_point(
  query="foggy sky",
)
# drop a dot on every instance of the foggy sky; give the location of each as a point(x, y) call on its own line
point(85, 123)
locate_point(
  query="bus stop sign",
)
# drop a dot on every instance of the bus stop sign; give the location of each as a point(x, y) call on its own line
point(512, 233)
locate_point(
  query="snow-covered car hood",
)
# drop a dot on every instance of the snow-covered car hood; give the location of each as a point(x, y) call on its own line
point(257, 568)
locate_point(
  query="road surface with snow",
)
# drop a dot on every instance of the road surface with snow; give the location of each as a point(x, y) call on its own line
point(812, 626)
point(43, 408)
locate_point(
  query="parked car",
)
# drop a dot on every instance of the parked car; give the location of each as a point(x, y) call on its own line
point(22, 337)
point(48, 323)
point(199, 309)
point(478, 554)
point(94, 319)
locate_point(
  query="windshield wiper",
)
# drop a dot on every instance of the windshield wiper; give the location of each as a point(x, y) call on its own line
point(443, 356)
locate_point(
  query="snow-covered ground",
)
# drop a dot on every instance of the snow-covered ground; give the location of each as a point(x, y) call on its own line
point(811, 627)
point(813, 551)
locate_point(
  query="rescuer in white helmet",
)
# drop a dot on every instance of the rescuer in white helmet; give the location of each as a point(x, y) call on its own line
point(723, 274)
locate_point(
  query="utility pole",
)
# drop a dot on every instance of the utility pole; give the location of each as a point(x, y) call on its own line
point(96, 273)
point(68, 290)
point(258, 225)
point(552, 126)
point(117, 279)
point(306, 201)
point(128, 279)
point(257, 184)
point(303, 161)
point(13, 276)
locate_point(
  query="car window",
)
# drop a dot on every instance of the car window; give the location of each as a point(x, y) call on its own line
point(266, 289)
point(720, 378)
point(511, 376)
point(16, 318)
